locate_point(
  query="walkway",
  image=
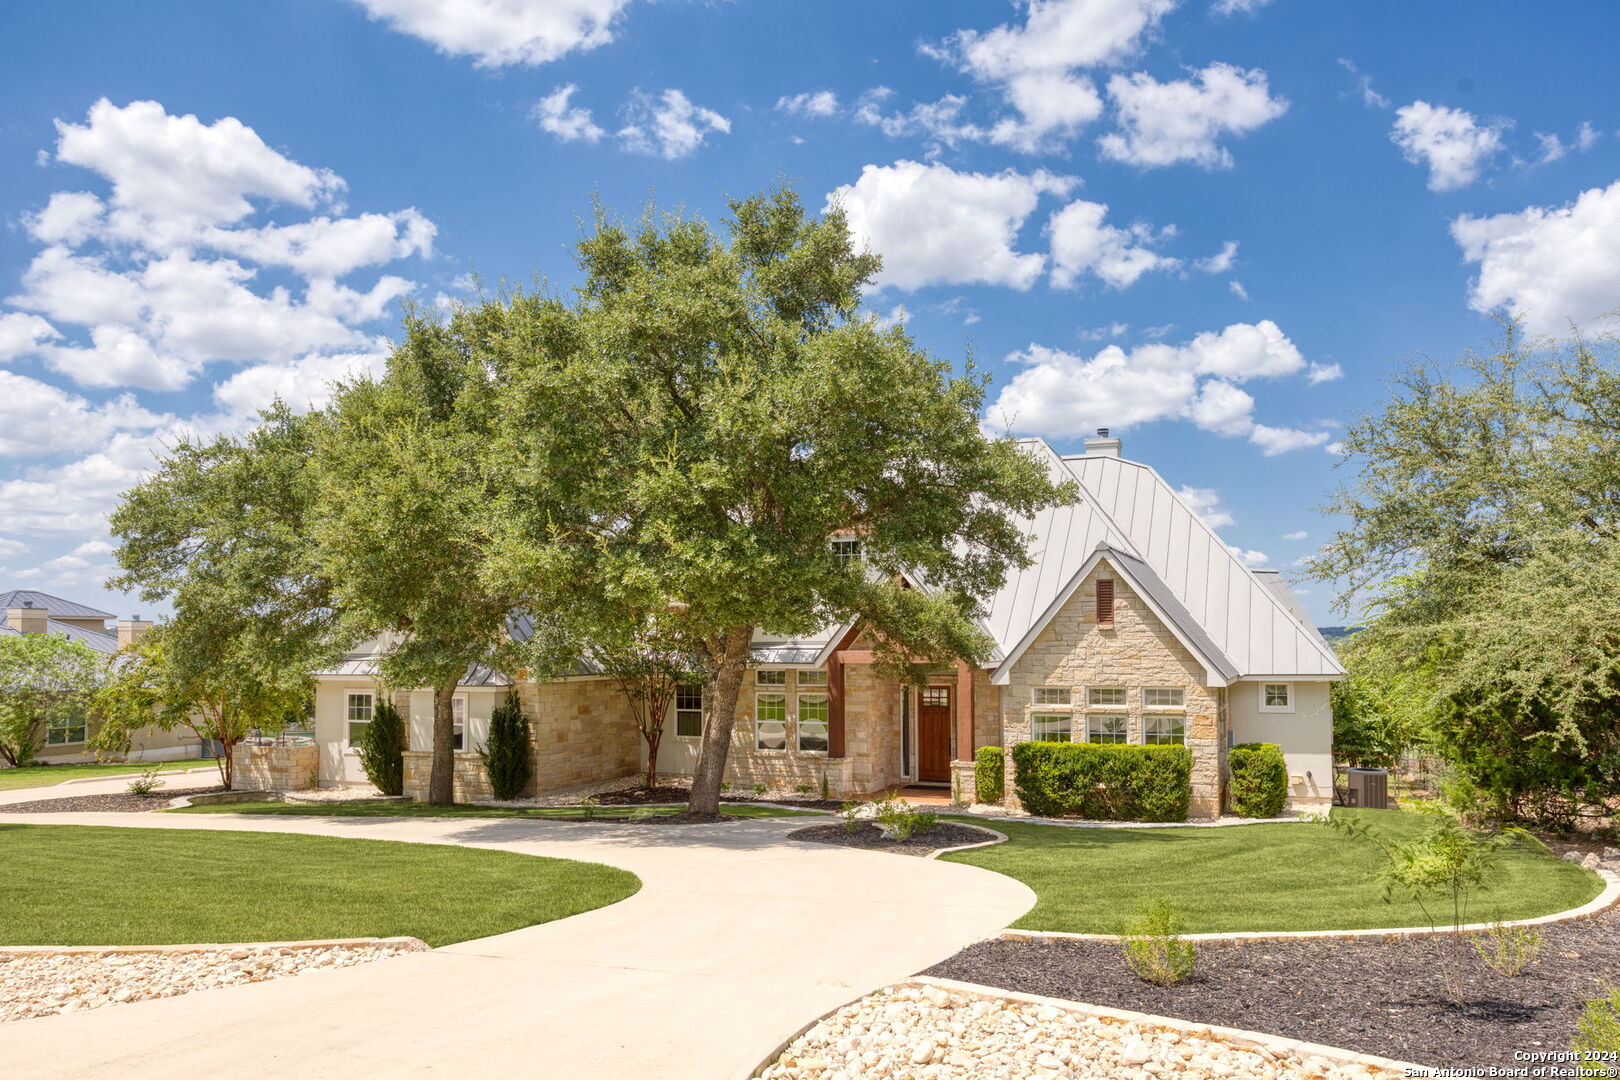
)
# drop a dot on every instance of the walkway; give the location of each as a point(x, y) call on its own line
point(736, 940)
point(177, 782)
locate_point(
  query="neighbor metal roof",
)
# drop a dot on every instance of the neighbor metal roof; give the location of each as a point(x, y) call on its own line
point(107, 643)
point(54, 604)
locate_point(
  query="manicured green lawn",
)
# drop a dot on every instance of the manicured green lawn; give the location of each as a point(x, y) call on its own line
point(416, 809)
point(45, 775)
point(92, 885)
point(1248, 877)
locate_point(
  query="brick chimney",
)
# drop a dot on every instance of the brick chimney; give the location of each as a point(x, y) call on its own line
point(1102, 445)
point(131, 629)
point(28, 619)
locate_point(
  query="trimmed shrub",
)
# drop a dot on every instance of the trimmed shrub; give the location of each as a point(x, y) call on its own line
point(989, 775)
point(1154, 947)
point(506, 754)
point(1259, 785)
point(1103, 781)
point(382, 748)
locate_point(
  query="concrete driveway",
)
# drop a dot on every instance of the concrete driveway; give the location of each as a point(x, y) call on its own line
point(177, 782)
point(737, 939)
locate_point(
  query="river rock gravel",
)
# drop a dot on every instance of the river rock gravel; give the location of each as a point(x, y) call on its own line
point(931, 1033)
point(40, 984)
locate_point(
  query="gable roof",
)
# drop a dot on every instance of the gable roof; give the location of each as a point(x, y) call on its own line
point(55, 605)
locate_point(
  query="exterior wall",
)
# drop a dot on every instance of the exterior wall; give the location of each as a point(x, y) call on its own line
point(274, 768)
point(1305, 736)
point(1137, 652)
point(580, 731)
point(470, 783)
point(481, 700)
point(145, 744)
point(339, 765)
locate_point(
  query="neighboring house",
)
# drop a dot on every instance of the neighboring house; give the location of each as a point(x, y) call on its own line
point(1135, 623)
point(27, 611)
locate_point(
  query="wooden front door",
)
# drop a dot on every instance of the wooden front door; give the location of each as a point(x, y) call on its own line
point(934, 734)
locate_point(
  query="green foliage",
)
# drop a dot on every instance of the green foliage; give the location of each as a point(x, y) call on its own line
point(989, 774)
point(508, 756)
point(1259, 783)
point(382, 748)
point(803, 789)
point(1597, 1033)
point(900, 821)
point(1483, 537)
point(1377, 711)
point(1104, 782)
point(854, 821)
point(1154, 948)
point(146, 783)
point(1508, 950)
point(759, 789)
point(42, 676)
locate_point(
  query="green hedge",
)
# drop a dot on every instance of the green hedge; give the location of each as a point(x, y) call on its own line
point(1259, 785)
point(1105, 782)
point(989, 775)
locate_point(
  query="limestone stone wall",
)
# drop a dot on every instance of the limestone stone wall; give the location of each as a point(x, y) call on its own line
point(274, 768)
point(786, 770)
point(581, 732)
point(1137, 652)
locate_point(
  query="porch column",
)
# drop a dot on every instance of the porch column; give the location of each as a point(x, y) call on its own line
point(964, 711)
point(835, 706)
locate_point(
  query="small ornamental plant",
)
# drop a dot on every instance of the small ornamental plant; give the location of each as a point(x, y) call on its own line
point(1508, 950)
point(146, 783)
point(1597, 1033)
point(900, 821)
point(759, 789)
point(1154, 947)
point(507, 755)
point(382, 748)
point(853, 821)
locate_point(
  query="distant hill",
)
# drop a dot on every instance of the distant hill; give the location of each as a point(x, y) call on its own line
point(1336, 634)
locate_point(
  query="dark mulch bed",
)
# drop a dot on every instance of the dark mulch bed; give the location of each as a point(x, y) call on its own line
point(675, 793)
point(871, 837)
point(1377, 997)
point(121, 803)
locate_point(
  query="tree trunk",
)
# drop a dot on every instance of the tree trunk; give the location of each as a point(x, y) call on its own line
point(442, 776)
point(226, 765)
point(720, 715)
point(654, 737)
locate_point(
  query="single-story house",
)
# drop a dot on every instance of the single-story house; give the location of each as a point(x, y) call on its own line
point(28, 611)
point(1135, 623)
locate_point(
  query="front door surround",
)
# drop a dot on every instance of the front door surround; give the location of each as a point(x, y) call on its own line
point(934, 734)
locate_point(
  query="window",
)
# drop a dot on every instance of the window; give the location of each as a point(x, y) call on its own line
point(770, 678)
point(1159, 697)
point(846, 550)
point(1105, 601)
point(688, 712)
point(1107, 729)
point(66, 727)
point(813, 723)
point(936, 697)
point(770, 722)
point(1106, 695)
point(359, 716)
point(1051, 727)
point(1051, 695)
point(1164, 730)
point(1276, 697)
point(458, 721)
point(812, 678)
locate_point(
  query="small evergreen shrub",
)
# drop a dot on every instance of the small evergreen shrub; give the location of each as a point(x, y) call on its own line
point(899, 820)
point(1154, 948)
point(989, 775)
point(1103, 781)
point(1508, 950)
point(382, 748)
point(854, 822)
point(1597, 1034)
point(147, 783)
point(1259, 784)
point(760, 789)
point(506, 755)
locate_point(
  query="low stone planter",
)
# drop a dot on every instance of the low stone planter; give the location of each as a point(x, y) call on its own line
point(274, 768)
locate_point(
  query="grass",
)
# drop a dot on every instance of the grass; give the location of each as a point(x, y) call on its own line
point(416, 809)
point(93, 885)
point(1248, 877)
point(45, 775)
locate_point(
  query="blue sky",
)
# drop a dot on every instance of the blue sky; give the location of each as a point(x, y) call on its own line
point(1212, 225)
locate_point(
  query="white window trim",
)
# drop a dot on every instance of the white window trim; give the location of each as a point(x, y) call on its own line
point(1122, 703)
point(674, 718)
point(348, 704)
point(1066, 716)
point(1092, 717)
point(1036, 702)
point(465, 724)
point(1164, 716)
point(799, 678)
point(83, 725)
point(1261, 698)
point(774, 671)
point(798, 718)
point(1150, 707)
point(787, 723)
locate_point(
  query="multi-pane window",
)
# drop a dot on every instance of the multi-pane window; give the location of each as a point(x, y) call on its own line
point(1105, 695)
point(812, 678)
point(846, 550)
point(688, 712)
point(1052, 727)
point(1161, 697)
point(66, 727)
point(770, 678)
point(935, 696)
point(813, 717)
point(1051, 695)
point(1107, 729)
point(1278, 697)
point(770, 722)
point(458, 721)
point(360, 706)
point(1164, 730)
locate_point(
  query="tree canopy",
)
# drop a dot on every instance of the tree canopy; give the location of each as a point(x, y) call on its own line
point(43, 677)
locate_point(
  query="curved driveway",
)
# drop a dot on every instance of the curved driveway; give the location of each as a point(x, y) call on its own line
point(736, 940)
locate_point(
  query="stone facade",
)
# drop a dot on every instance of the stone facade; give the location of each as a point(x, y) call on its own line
point(471, 781)
point(274, 768)
point(1136, 652)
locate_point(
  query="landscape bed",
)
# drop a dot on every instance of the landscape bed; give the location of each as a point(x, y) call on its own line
point(871, 838)
point(601, 814)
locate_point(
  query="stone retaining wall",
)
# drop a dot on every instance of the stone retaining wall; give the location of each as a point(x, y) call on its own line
point(274, 768)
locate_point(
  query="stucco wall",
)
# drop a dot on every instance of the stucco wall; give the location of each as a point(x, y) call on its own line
point(1305, 736)
point(338, 765)
point(1137, 652)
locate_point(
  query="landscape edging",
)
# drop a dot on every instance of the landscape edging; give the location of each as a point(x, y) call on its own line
point(1596, 906)
point(996, 838)
point(414, 944)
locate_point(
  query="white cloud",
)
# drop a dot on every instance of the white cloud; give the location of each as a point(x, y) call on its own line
point(1553, 148)
point(1206, 503)
point(1321, 373)
point(1165, 123)
point(817, 103)
point(38, 419)
point(498, 33)
point(1237, 7)
point(325, 247)
point(1221, 261)
point(1550, 264)
point(936, 226)
point(1297, 535)
point(1063, 396)
point(1450, 142)
point(670, 125)
point(1104, 333)
point(1336, 448)
point(302, 383)
point(70, 218)
point(10, 547)
point(21, 334)
point(1369, 97)
point(1081, 243)
point(1235, 287)
point(940, 121)
point(1586, 136)
point(568, 122)
point(957, 307)
point(1249, 556)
